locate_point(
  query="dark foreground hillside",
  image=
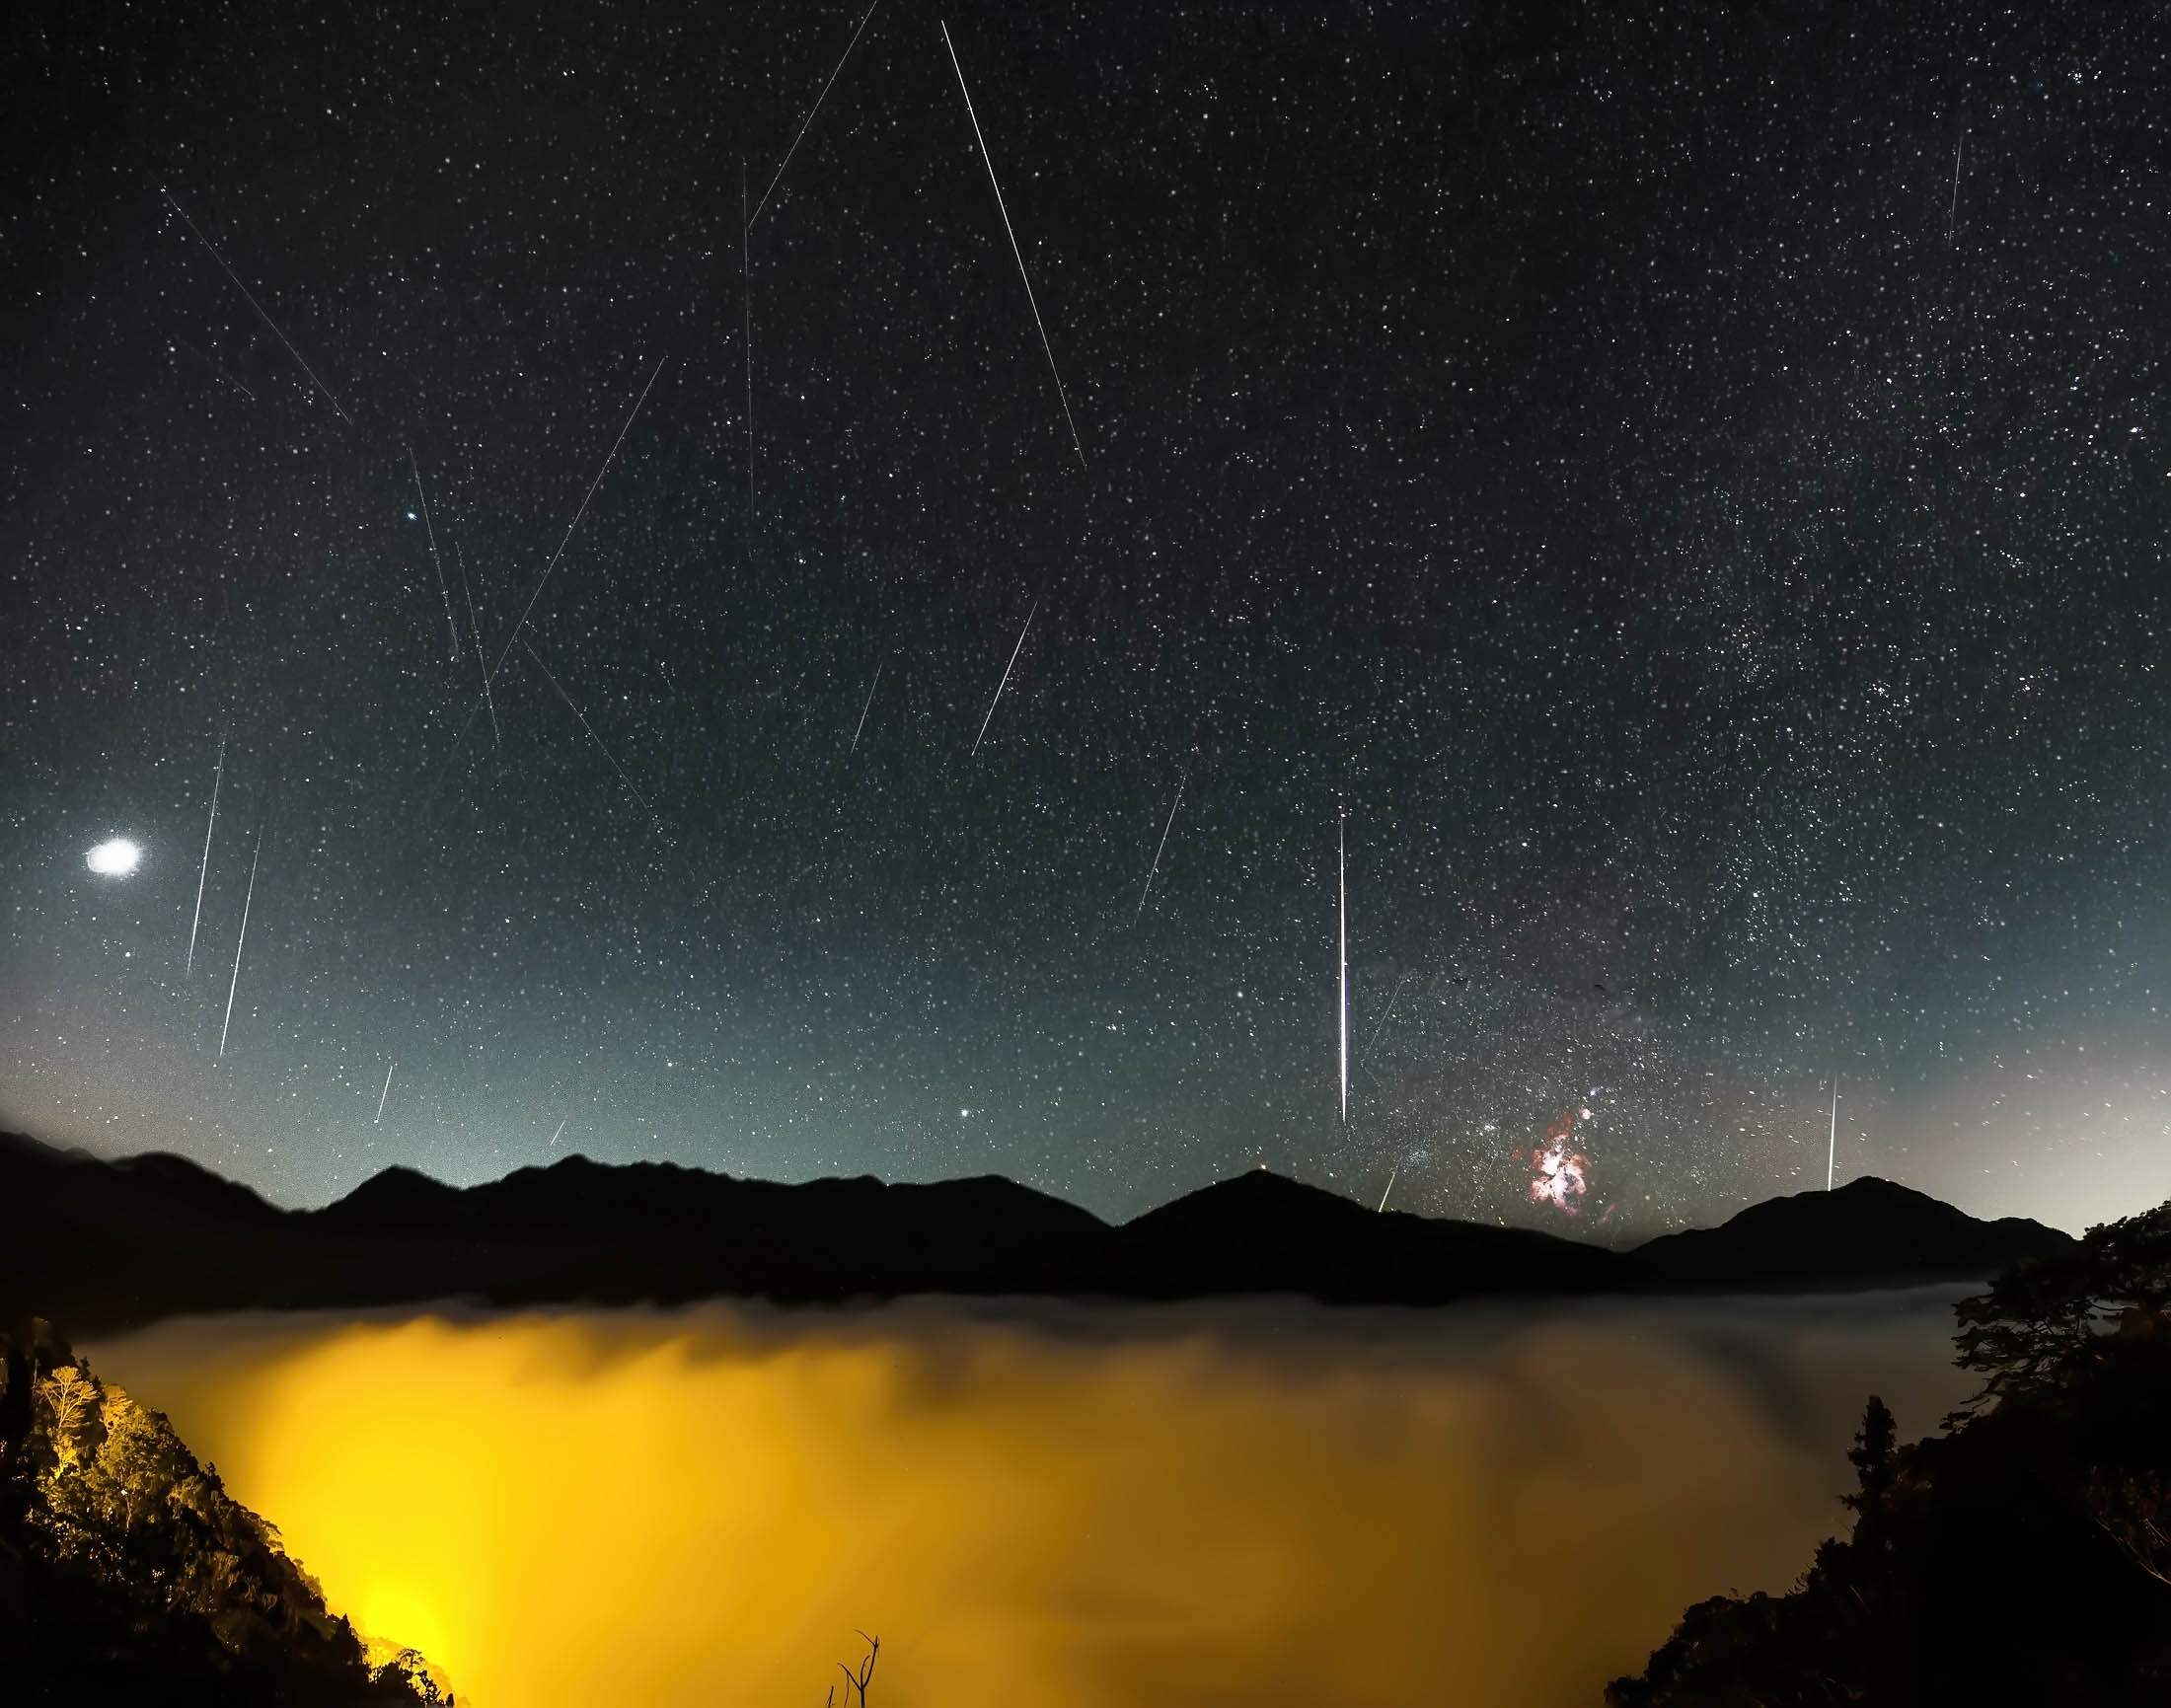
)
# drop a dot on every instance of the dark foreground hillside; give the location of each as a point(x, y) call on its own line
point(2023, 1558)
point(127, 1575)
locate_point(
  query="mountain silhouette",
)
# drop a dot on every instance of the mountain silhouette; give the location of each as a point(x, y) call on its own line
point(1867, 1232)
point(105, 1246)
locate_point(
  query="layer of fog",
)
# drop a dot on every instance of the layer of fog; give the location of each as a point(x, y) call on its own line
point(1041, 1505)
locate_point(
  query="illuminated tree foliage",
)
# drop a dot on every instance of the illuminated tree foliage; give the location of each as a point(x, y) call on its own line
point(2022, 1556)
point(128, 1574)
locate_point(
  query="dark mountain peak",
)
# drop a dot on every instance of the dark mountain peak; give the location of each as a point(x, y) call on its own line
point(1263, 1232)
point(1250, 1197)
point(1868, 1231)
point(394, 1192)
point(169, 1172)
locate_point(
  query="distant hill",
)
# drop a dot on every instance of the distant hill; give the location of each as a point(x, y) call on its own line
point(108, 1245)
point(1868, 1233)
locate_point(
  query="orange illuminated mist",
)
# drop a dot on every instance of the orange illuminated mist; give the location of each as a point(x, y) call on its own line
point(1044, 1506)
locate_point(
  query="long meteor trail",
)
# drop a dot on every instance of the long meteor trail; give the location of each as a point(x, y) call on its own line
point(1006, 682)
point(491, 675)
point(551, 568)
point(1341, 844)
point(381, 1095)
point(259, 307)
point(746, 344)
point(639, 798)
point(1002, 208)
point(452, 622)
point(234, 984)
point(1157, 847)
point(204, 872)
point(1831, 1151)
point(810, 112)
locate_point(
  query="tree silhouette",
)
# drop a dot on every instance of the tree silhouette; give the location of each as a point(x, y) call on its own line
point(2043, 1323)
point(1871, 1454)
point(139, 1577)
point(67, 1399)
point(2022, 1556)
point(855, 1682)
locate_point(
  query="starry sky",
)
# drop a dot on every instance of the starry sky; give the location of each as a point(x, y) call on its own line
point(1682, 489)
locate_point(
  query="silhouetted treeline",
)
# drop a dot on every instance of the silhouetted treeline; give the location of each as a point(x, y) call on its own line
point(2023, 1556)
point(128, 1574)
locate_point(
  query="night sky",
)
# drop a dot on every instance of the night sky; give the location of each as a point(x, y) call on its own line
point(1689, 482)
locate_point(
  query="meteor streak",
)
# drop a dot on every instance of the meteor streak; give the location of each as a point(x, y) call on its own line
point(1952, 216)
point(1832, 1152)
point(492, 672)
point(746, 297)
point(1163, 843)
point(810, 112)
point(234, 984)
point(259, 307)
point(1000, 207)
point(452, 623)
point(381, 1095)
point(869, 701)
point(638, 797)
point(1365, 1055)
point(552, 568)
point(1006, 682)
point(1341, 833)
point(476, 629)
point(204, 872)
point(1391, 1176)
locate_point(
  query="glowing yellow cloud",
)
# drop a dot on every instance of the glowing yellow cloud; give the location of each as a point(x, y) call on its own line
point(1084, 1507)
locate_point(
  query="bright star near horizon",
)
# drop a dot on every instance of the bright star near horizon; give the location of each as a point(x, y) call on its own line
point(115, 859)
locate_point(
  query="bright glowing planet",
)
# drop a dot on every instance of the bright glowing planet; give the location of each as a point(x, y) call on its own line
point(115, 859)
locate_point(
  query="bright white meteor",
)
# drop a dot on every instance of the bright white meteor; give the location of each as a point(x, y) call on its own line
point(204, 872)
point(115, 859)
point(234, 984)
point(1006, 682)
point(1002, 208)
point(1831, 1151)
point(381, 1095)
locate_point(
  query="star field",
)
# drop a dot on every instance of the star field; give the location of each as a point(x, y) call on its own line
point(1693, 487)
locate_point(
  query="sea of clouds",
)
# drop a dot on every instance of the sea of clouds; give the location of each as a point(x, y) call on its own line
point(1037, 1504)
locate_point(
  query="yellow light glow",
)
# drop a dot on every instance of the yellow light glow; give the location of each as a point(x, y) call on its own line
point(1135, 1509)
